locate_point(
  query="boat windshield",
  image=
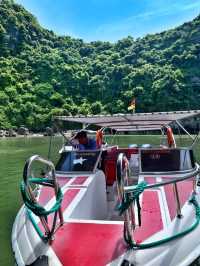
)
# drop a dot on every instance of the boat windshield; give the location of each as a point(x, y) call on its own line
point(78, 161)
point(166, 160)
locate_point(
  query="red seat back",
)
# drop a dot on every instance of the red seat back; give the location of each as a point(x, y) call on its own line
point(110, 162)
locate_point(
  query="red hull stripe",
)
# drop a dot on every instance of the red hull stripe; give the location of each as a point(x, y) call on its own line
point(81, 244)
point(184, 189)
point(150, 216)
point(80, 180)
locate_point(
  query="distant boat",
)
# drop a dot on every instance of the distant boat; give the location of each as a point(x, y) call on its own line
point(137, 205)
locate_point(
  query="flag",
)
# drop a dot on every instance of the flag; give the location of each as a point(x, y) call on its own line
point(132, 105)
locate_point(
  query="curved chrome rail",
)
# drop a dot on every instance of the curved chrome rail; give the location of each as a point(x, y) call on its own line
point(54, 184)
point(123, 173)
point(193, 173)
point(124, 188)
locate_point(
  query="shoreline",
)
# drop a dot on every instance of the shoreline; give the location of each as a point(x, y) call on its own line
point(39, 135)
point(25, 136)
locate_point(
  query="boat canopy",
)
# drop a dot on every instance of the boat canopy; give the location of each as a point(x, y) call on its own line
point(130, 122)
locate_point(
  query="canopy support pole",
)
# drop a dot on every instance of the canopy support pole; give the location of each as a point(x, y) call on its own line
point(60, 131)
point(195, 140)
point(179, 124)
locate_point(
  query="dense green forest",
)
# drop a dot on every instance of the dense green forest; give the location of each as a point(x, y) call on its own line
point(42, 74)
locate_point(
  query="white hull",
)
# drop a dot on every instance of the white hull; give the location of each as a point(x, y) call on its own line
point(89, 206)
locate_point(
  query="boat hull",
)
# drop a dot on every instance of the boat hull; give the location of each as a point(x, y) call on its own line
point(90, 236)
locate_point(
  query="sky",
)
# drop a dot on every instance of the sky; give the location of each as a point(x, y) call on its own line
point(111, 20)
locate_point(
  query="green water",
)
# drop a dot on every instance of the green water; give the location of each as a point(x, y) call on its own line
point(13, 153)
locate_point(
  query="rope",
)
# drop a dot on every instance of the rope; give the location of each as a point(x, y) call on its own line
point(129, 198)
point(34, 206)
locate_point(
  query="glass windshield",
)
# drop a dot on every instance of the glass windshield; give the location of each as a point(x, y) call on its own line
point(166, 160)
point(78, 161)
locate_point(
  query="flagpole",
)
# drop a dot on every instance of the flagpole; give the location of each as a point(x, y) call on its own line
point(132, 106)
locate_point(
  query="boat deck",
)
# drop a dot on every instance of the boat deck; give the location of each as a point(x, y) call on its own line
point(100, 241)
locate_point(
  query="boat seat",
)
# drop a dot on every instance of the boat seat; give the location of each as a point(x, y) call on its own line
point(146, 146)
point(109, 168)
point(110, 162)
point(133, 145)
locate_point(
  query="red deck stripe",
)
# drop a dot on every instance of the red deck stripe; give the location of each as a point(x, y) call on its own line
point(184, 189)
point(79, 180)
point(69, 195)
point(47, 193)
point(81, 244)
point(63, 180)
point(150, 180)
point(150, 216)
point(87, 237)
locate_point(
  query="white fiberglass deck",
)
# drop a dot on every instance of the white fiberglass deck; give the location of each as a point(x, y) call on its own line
point(92, 239)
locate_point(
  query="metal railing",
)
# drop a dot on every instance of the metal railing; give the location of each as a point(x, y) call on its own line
point(30, 199)
point(124, 188)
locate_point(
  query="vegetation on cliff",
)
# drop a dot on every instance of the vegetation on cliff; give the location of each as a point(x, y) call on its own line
point(42, 74)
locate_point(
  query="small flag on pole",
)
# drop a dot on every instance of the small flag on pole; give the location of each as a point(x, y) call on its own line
point(132, 105)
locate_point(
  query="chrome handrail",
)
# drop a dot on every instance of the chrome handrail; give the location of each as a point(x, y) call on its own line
point(129, 224)
point(194, 173)
point(55, 185)
point(122, 178)
point(29, 162)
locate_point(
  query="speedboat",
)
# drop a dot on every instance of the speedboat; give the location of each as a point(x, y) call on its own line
point(135, 206)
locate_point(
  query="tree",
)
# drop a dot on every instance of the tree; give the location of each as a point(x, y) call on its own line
point(96, 108)
point(42, 74)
